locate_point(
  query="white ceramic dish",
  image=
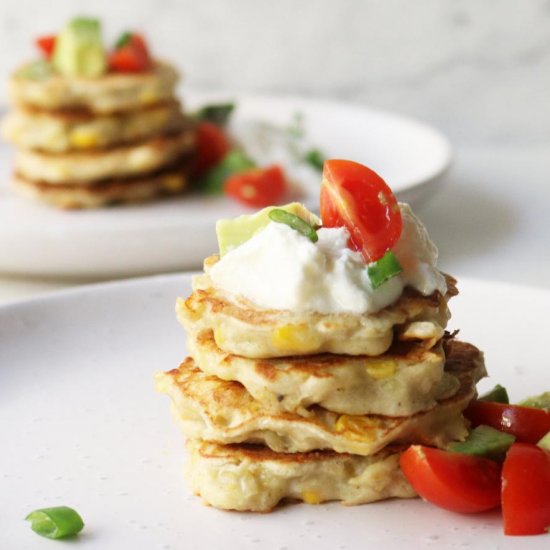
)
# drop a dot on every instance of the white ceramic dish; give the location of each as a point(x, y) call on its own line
point(82, 426)
point(177, 234)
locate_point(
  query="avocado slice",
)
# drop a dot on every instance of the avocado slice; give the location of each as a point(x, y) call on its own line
point(232, 233)
point(79, 50)
point(484, 441)
point(541, 401)
point(497, 395)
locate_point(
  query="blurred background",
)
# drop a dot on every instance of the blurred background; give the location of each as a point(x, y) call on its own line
point(479, 71)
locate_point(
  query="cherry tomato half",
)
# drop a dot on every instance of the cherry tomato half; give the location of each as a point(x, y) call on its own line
point(132, 57)
point(526, 490)
point(354, 196)
point(528, 424)
point(258, 186)
point(46, 45)
point(211, 146)
point(454, 481)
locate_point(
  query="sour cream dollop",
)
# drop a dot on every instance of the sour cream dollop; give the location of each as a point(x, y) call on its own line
point(279, 268)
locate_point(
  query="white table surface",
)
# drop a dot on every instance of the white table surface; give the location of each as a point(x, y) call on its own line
point(490, 220)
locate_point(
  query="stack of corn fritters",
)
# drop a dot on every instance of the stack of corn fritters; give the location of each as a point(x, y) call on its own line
point(86, 143)
point(315, 407)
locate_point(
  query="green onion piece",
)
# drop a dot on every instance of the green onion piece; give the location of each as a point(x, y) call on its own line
point(123, 39)
point(497, 395)
point(544, 443)
point(296, 127)
point(385, 268)
point(56, 523)
point(541, 401)
point(217, 114)
point(37, 70)
point(484, 441)
point(282, 216)
point(235, 161)
point(315, 158)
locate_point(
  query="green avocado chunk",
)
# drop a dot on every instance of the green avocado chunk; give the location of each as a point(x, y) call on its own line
point(484, 441)
point(497, 395)
point(79, 50)
point(544, 443)
point(231, 233)
point(36, 70)
point(541, 401)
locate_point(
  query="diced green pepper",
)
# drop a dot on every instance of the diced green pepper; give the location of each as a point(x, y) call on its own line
point(385, 268)
point(484, 441)
point(235, 161)
point(497, 395)
point(295, 222)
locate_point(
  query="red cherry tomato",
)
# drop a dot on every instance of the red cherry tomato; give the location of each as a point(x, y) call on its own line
point(138, 42)
point(454, 481)
point(258, 186)
point(528, 424)
point(354, 196)
point(132, 57)
point(526, 490)
point(211, 146)
point(46, 45)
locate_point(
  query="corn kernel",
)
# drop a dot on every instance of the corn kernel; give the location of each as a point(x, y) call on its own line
point(219, 336)
point(356, 426)
point(173, 183)
point(148, 96)
point(296, 338)
point(311, 497)
point(381, 368)
point(84, 139)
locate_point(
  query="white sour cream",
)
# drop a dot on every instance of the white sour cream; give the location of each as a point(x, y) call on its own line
point(279, 268)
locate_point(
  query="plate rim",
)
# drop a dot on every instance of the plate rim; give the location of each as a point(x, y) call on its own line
point(67, 262)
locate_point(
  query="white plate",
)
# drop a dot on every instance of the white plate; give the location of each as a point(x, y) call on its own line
point(176, 234)
point(82, 426)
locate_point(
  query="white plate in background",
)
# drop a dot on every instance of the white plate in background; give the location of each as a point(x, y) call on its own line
point(178, 233)
point(82, 426)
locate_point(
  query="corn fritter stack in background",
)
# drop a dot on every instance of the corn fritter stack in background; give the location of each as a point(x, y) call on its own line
point(88, 134)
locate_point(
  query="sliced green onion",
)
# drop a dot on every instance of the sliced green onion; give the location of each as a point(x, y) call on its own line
point(235, 161)
point(123, 39)
point(497, 395)
point(484, 441)
point(282, 216)
point(541, 401)
point(385, 268)
point(217, 114)
point(315, 158)
point(56, 523)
